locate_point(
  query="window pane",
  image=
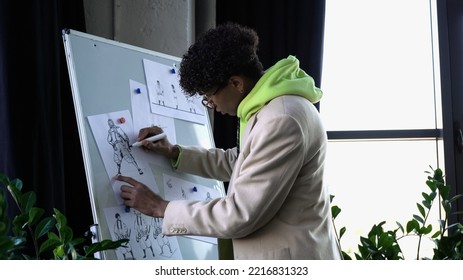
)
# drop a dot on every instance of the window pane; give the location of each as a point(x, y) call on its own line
point(378, 65)
point(375, 181)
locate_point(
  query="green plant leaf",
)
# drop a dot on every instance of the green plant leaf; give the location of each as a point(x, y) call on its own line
point(9, 243)
point(357, 256)
point(431, 185)
point(3, 228)
point(61, 220)
point(52, 235)
point(43, 227)
point(17, 184)
point(438, 173)
point(346, 256)
point(426, 197)
point(456, 197)
point(447, 206)
point(335, 210)
point(436, 234)
point(412, 225)
point(74, 254)
point(342, 231)
point(400, 227)
point(21, 220)
point(77, 241)
point(418, 218)
point(444, 191)
point(15, 193)
point(385, 240)
point(35, 214)
point(427, 204)
point(367, 243)
point(106, 244)
point(426, 230)
point(66, 233)
point(421, 209)
point(58, 252)
point(4, 179)
point(457, 225)
point(49, 244)
point(28, 201)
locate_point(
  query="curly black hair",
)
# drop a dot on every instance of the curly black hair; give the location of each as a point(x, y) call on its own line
point(227, 50)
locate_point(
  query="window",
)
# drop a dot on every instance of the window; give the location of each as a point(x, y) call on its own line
point(382, 110)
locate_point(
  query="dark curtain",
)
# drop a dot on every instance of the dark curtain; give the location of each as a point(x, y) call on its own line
point(285, 28)
point(450, 16)
point(39, 138)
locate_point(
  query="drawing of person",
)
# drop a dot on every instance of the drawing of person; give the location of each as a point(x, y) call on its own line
point(191, 104)
point(123, 232)
point(183, 193)
point(174, 94)
point(120, 142)
point(160, 93)
point(159, 236)
point(142, 235)
point(169, 184)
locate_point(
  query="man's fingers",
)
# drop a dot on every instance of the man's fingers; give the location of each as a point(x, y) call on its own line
point(126, 190)
point(126, 179)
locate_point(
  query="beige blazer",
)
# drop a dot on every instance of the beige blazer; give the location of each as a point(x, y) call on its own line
point(276, 206)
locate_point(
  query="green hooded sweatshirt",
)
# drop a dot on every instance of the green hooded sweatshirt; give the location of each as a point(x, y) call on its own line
point(284, 78)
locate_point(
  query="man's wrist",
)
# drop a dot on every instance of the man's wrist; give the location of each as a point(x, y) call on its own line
point(175, 153)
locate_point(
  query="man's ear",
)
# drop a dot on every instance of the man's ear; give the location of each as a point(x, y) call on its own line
point(238, 83)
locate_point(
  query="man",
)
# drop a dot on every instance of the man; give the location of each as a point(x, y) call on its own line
point(276, 206)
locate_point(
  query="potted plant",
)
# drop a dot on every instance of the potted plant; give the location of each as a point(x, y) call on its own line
point(382, 244)
point(50, 235)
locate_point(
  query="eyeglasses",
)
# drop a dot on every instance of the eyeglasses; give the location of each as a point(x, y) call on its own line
point(207, 101)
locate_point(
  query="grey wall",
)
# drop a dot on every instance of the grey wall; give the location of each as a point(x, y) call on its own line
point(167, 26)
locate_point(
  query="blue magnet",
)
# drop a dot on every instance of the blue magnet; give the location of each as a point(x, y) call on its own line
point(173, 69)
point(194, 189)
point(138, 90)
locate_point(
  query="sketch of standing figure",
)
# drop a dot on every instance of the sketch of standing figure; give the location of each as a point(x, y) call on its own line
point(143, 233)
point(120, 142)
point(123, 232)
point(174, 94)
point(160, 93)
point(191, 104)
point(159, 236)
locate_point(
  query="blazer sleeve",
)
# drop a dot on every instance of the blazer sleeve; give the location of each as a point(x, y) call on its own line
point(263, 176)
point(209, 163)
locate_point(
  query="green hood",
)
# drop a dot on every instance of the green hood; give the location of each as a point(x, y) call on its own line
point(284, 78)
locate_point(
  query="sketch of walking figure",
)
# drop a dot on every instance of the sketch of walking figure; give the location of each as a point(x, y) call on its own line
point(160, 93)
point(191, 104)
point(120, 142)
point(174, 94)
point(143, 233)
point(123, 232)
point(159, 236)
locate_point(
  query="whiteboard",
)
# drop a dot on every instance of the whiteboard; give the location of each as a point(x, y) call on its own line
point(100, 72)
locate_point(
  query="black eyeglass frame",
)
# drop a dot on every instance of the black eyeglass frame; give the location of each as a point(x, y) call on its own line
point(207, 102)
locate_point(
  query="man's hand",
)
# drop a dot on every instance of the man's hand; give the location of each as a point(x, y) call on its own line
point(138, 196)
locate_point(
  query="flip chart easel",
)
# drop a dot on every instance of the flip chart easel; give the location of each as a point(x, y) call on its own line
point(99, 71)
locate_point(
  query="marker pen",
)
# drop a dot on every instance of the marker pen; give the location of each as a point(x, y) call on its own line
point(154, 138)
